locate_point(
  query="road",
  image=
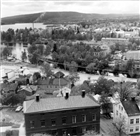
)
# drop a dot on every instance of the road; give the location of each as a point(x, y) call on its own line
point(83, 76)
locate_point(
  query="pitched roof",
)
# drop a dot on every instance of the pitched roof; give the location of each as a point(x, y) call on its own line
point(59, 74)
point(131, 108)
point(55, 81)
point(43, 81)
point(58, 104)
point(61, 81)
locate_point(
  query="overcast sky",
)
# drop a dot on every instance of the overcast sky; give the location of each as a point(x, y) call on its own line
point(18, 7)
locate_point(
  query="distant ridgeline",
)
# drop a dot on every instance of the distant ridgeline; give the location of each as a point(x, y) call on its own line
point(62, 17)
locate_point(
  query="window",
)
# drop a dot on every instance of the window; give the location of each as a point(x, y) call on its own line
point(64, 120)
point(83, 118)
point(116, 112)
point(94, 128)
point(137, 128)
point(120, 115)
point(74, 131)
point(42, 123)
point(73, 119)
point(119, 107)
point(131, 121)
point(137, 121)
point(122, 108)
point(83, 129)
point(93, 117)
point(53, 122)
point(42, 114)
point(32, 124)
point(131, 129)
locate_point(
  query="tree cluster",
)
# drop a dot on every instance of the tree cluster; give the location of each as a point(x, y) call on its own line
point(69, 35)
point(36, 51)
point(19, 35)
point(83, 55)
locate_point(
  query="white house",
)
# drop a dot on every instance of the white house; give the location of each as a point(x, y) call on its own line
point(128, 111)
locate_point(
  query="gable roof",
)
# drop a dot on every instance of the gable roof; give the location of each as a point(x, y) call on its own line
point(58, 104)
point(131, 108)
point(55, 81)
point(59, 74)
point(61, 81)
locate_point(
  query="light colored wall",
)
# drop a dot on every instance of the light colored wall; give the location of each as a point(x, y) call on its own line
point(118, 107)
point(134, 125)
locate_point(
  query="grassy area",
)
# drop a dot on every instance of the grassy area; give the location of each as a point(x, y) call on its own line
point(10, 133)
point(10, 115)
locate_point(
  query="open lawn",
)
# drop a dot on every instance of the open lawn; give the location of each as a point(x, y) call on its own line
point(8, 115)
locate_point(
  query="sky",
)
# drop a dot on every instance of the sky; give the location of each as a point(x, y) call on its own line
point(19, 7)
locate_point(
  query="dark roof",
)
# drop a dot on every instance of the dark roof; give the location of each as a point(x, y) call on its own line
point(43, 81)
point(61, 81)
point(59, 74)
point(131, 108)
point(55, 81)
point(58, 104)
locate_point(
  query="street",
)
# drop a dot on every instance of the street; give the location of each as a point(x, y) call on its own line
point(83, 76)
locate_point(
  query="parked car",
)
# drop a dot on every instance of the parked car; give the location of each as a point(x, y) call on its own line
point(19, 108)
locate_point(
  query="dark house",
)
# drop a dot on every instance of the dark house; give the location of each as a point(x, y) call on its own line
point(61, 116)
point(28, 90)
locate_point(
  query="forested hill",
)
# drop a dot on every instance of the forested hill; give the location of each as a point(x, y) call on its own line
point(58, 17)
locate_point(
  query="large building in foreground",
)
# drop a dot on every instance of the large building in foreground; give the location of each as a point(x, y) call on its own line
point(128, 112)
point(61, 116)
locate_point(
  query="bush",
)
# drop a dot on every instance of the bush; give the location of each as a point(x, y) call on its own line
point(12, 133)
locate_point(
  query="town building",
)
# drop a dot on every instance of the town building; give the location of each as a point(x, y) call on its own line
point(128, 112)
point(60, 116)
point(56, 82)
point(112, 41)
point(134, 55)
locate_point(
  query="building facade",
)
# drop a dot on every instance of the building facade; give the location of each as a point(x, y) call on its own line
point(134, 55)
point(62, 116)
point(129, 113)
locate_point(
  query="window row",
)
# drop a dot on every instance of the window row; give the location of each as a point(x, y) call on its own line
point(64, 121)
point(120, 108)
point(119, 114)
point(137, 121)
point(135, 130)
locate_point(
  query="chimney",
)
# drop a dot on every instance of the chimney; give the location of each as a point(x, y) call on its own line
point(83, 93)
point(37, 98)
point(67, 95)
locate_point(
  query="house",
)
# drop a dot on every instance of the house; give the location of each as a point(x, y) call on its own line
point(62, 115)
point(112, 41)
point(128, 111)
point(135, 55)
point(28, 90)
point(54, 83)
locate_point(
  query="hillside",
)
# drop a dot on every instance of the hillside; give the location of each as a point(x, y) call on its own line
point(59, 17)
point(29, 18)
